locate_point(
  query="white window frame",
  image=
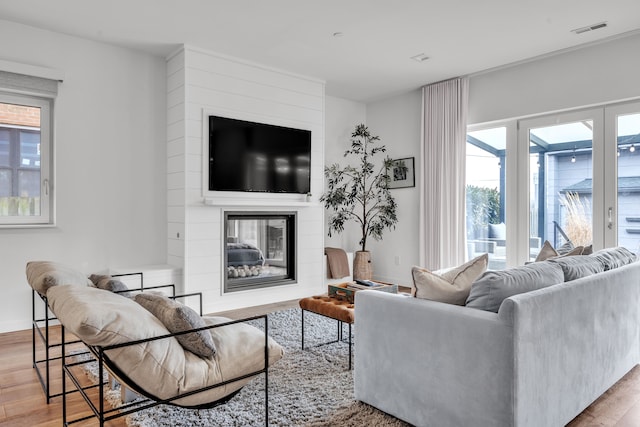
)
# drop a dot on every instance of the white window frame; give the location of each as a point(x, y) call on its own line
point(47, 211)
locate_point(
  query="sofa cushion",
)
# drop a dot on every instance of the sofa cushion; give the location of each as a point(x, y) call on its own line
point(110, 284)
point(451, 286)
point(177, 317)
point(614, 257)
point(42, 275)
point(161, 368)
point(575, 267)
point(492, 287)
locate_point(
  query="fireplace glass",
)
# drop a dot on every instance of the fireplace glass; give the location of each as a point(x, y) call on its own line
point(259, 250)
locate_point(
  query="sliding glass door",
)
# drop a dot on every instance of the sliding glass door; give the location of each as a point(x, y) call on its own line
point(622, 193)
point(564, 181)
point(486, 194)
point(572, 179)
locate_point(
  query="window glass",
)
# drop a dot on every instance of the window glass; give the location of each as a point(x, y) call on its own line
point(24, 167)
point(485, 195)
point(30, 149)
point(561, 186)
point(5, 148)
point(628, 158)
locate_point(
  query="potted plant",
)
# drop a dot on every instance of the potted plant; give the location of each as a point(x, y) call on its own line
point(361, 194)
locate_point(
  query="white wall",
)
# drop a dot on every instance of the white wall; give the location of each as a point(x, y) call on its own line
point(110, 157)
point(397, 121)
point(202, 82)
point(592, 75)
point(342, 116)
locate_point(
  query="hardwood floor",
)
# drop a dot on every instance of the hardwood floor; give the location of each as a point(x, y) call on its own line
point(22, 401)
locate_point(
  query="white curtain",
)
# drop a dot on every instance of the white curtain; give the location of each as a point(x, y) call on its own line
point(442, 200)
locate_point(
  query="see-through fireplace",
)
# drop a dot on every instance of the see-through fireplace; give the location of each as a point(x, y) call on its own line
point(259, 250)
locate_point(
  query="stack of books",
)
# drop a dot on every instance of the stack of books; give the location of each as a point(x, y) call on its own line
point(364, 284)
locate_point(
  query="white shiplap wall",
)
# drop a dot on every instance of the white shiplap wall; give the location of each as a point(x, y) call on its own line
point(202, 83)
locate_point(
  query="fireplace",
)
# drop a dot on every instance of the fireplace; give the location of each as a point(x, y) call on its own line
point(259, 250)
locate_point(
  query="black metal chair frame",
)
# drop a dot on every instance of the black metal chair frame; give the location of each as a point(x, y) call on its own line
point(104, 362)
point(340, 334)
point(40, 323)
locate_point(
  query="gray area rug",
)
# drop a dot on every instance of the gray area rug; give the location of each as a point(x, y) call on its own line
point(311, 388)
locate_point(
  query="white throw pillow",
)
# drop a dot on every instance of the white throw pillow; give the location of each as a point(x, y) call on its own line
point(452, 286)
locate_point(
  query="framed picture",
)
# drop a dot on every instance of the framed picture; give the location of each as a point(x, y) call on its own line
point(402, 173)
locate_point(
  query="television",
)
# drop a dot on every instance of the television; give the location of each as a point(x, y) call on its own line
point(257, 157)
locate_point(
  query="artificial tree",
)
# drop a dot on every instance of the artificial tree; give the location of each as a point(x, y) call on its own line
point(361, 194)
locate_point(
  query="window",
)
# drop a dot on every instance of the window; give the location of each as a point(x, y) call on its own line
point(25, 160)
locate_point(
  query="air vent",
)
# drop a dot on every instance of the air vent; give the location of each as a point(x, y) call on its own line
point(589, 28)
point(420, 58)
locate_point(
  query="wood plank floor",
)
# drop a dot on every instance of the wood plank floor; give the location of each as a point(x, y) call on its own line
point(22, 401)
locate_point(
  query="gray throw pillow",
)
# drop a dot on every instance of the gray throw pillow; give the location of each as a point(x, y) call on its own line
point(177, 317)
point(565, 248)
point(575, 267)
point(614, 257)
point(490, 289)
point(110, 284)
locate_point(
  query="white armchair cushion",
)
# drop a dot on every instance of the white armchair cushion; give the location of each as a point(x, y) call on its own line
point(161, 368)
point(43, 275)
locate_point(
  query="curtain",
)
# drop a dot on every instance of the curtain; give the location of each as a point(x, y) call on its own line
point(442, 175)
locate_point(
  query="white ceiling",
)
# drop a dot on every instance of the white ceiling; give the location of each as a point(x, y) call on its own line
point(371, 60)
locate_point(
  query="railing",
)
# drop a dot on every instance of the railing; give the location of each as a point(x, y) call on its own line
point(557, 229)
point(19, 206)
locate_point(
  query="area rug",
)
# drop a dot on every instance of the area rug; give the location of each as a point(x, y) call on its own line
point(310, 388)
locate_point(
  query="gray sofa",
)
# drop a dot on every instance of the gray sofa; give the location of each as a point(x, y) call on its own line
point(540, 360)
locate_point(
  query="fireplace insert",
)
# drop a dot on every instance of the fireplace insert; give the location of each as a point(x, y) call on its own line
point(260, 250)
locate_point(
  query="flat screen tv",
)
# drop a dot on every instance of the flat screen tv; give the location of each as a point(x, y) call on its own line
point(257, 157)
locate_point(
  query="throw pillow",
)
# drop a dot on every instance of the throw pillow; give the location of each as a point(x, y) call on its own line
point(177, 317)
point(493, 287)
point(547, 251)
point(452, 286)
point(565, 248)
point(573, 252)
point(110, 284)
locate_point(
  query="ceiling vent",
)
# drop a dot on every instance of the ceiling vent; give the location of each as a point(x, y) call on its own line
point(420, 58)
point(589, 28)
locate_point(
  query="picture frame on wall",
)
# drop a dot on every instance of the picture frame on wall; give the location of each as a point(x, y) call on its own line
point(402, 173)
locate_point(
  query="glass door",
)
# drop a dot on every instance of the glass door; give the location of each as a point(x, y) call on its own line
point(564, 186)
point(622, 195)
point(485, 195)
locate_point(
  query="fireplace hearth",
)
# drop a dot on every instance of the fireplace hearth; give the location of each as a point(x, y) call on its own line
point(259, 250)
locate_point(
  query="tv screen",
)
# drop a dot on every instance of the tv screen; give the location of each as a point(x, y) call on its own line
point(248, 156)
